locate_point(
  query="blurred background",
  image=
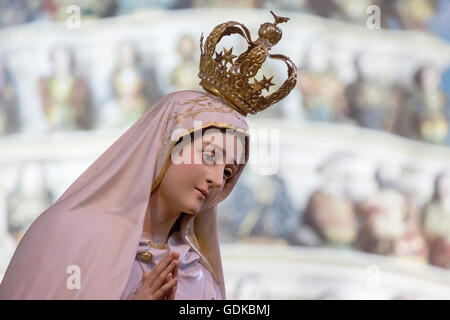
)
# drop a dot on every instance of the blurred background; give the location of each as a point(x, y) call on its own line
point(360, 205)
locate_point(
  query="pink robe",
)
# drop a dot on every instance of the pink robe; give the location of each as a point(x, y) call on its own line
point(194, 280)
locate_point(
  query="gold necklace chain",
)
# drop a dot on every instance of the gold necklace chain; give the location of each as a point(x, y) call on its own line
point(155, 245)
point(152, 244)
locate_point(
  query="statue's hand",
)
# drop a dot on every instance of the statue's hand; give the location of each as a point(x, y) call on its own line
point(161, 282)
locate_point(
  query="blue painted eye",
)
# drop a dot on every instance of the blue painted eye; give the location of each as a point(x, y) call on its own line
point(208, 157)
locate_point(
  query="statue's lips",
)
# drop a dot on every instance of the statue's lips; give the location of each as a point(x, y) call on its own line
point(202, 192)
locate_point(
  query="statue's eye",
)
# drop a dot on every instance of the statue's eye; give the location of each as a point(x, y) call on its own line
point(208, 157)
point(227, 173)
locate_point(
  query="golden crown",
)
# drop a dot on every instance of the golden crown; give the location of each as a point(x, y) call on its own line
point(233, 84)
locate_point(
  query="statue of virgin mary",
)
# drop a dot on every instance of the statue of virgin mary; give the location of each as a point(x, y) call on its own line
point(97, 241)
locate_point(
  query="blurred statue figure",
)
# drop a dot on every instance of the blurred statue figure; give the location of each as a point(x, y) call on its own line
point(326, 8)
point(409, 14)
point(440, 252)
point(29, 197)
point(184, 76)
point(423, 111)
point(372, 101)
point(135, 86)
point(66, 97)
point(436, 222)
point(329, 216)
point(390, 221)
point(415, 14)
point(9, 116)
point(88, 9)
point(354, 11)
point(416, 184)
point(322, 91)
point(431, 101)
point(259, 210)
point(236, 206)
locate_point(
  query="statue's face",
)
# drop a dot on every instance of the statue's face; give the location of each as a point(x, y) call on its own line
point(198, 170)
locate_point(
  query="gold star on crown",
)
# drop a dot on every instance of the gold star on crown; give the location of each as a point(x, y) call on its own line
point(233, 83)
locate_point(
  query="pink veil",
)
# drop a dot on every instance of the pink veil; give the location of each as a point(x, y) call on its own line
point(96, 224)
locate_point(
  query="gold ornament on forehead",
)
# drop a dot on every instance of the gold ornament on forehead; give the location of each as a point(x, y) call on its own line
point(233, 83)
